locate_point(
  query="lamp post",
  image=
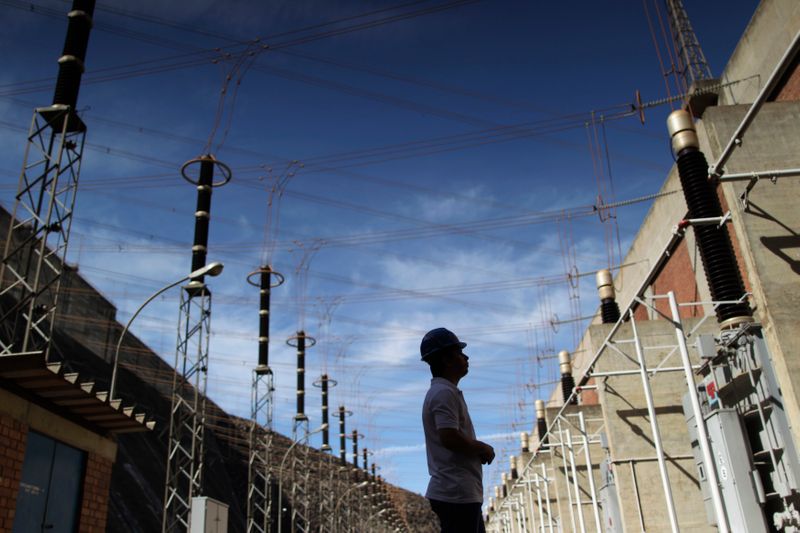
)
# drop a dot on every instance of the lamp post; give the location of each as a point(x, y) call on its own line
point(213, 269)
point(280, 472)
point(345, 493)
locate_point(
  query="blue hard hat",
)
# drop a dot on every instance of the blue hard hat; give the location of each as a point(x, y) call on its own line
point(438, 339)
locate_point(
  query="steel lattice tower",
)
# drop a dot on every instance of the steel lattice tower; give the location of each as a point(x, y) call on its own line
point(36, 244)
point(327, 486)
point(185, 452)
point(260, 476)
point(692, 65)
point(301, 486)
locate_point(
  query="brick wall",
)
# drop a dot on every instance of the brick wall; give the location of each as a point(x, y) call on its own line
point(13, 435)
point(790, 88)
point(96, 483)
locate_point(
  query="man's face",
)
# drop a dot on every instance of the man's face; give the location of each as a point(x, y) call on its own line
point(459, 361)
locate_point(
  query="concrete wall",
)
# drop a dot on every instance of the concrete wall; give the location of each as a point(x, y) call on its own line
point(630, 436)
point(764, 41)
point(768, 229)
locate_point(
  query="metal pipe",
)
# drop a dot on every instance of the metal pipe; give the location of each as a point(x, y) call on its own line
point(573, 468)
point(611, 373)
point(566, 473)
point(588, 457)
point(539, 501)
point(531, 510)
point(747, 176)
point(651, 411)
point(547, 498)
point(772, 81)
point(702, 433)
point(638, 499)
point(649, 459)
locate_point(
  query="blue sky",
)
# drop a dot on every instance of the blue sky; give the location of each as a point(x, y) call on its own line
point(438, 168)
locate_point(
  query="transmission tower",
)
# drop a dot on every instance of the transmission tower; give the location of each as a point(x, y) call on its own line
point(36, 243)
point(301, 487)
point(327, 487)
point(692, 65)
point(260, 476)
point(187, 416)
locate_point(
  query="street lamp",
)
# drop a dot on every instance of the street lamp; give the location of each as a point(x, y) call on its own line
point(345, 493)
point(280, 472)
point(374, 515)
point(213, 269)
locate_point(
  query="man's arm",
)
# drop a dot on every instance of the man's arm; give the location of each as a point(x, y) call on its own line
point(454, 440)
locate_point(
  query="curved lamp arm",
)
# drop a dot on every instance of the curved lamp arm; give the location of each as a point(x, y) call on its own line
point(280, 472)
point(213, 269)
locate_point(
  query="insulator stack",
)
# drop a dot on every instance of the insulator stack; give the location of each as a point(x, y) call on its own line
point(325, 436)
point(567, 381)
point(716, 250)
point(503, 481)
point(202, 215)
point(342, 435)
point(374, 471)
point(609, 309)
point(365, 453)
point(71, 63)
point(491, 504)
point(524, 441)
point(513, 462)
point(541, 423)
point(301, 375)
point(355, 447)
point(263, 317)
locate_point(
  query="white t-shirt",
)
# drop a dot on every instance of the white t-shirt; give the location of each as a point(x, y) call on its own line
point(455, 477)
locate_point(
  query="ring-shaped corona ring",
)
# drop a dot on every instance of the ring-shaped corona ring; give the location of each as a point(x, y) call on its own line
point(292, 341)
point(226, 171)
point(279, 278)
point(347, 412)
point(331, 382)
point(358, 436)
point(573, 275)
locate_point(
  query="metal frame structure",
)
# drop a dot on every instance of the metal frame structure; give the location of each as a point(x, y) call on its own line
point(530, 475)
point(260, 475)
point(260, 495)
point(187, 415)
point(692, 63)
point(34, 257)
point(186, 445)
point(300, 491)
point(328, 485)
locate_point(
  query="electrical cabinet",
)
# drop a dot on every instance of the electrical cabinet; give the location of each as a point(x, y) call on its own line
point(208, 516)
point(755, 456)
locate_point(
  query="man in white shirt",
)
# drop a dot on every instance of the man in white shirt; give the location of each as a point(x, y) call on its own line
point(455, 490)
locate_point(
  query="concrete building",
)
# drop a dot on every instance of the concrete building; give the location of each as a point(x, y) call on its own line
point(655, 472)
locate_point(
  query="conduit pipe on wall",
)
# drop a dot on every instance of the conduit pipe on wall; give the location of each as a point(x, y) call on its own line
point(716, 170)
